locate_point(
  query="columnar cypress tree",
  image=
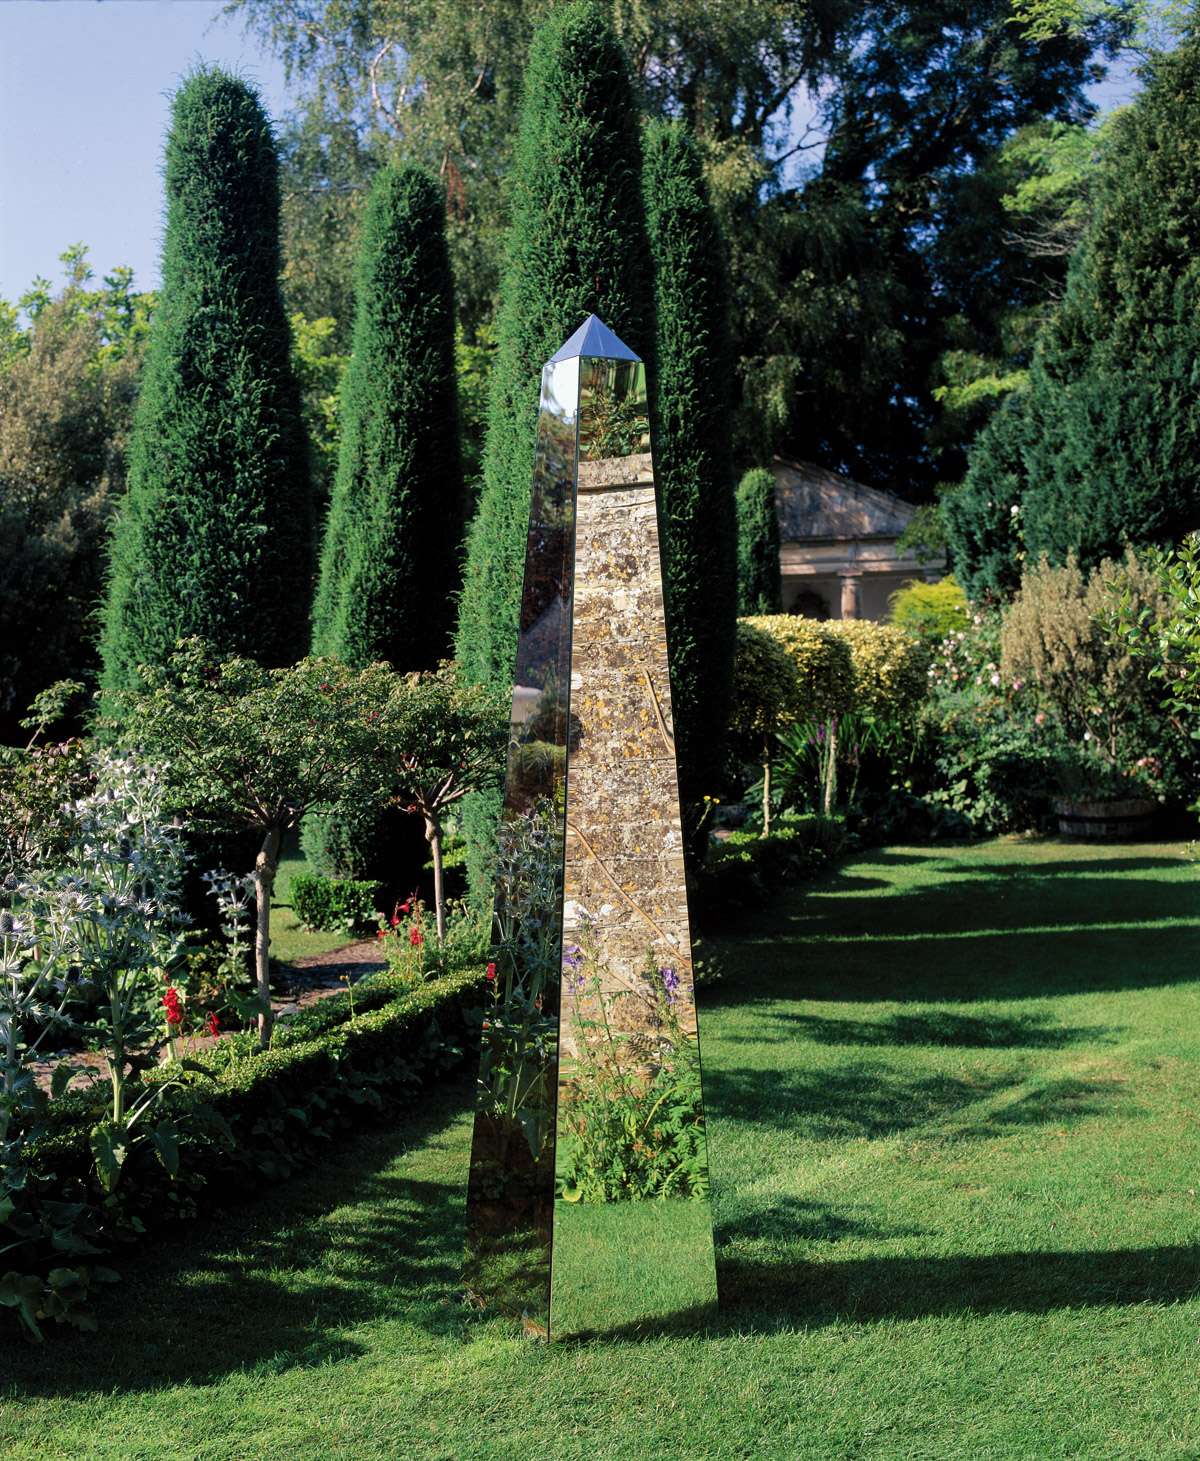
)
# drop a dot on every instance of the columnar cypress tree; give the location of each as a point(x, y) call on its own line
point(393, 539)
point(390, 563)
point(578, 246)
point(760, 585)
point(691, 421)
point(215, 536)
point(1105, 449)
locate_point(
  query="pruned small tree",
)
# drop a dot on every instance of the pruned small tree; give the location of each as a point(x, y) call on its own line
point(249, 747)
point(766, 696)
point(454, 734)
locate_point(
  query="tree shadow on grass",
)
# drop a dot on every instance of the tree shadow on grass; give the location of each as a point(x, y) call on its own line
point(279, 1280)
point(774, 1297)
point(941, 1027)
point(802, 1220)
point(860, 1100)
point(766, 1297)
point(868, 1099)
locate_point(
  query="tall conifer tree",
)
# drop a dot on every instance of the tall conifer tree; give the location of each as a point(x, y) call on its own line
point(216, 534)
point(393, 540)
point(390, 562)
point(578, 246)
point(1104, 448)
point(760, 587)
point(692, 426)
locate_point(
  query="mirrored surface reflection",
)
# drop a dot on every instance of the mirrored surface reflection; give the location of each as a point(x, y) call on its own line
point(632, 1223)
point(510, 1189)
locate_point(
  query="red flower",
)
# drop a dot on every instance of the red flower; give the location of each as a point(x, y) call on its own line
point(415, 937)
point(396, 918)
point(171, 1000)
point(379, 934)
point(214, 1029)
point(491, 973)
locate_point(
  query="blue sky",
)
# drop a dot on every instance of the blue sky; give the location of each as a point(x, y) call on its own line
point(84, 89)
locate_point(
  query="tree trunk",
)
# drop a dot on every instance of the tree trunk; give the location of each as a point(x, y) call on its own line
point(265, 866)
point(831, 768)
point(433, 835)
point(766, 831)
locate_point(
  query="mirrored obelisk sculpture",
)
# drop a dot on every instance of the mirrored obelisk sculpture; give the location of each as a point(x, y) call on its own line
point(587, 1204)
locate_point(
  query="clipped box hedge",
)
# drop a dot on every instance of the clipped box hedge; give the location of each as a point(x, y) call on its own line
point(338, 905)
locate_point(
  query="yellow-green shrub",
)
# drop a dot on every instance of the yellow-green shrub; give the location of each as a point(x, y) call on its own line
point(1050, 635)
point(822, 662)
point(931, 610)
point(890, 665)
point(765, 690)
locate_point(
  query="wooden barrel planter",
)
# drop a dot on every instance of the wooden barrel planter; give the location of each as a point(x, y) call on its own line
point(1109, 821)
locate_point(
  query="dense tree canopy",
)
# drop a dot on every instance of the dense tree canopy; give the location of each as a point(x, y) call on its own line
point(1103, 447)
point(857, 241)
point(67, 389)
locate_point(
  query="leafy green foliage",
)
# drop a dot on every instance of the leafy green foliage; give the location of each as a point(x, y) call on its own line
point(930, 610)
point(454, 736)
point(1165, 633)
point(578, 246)
point(215, 535)
point(67, 389)
point(1101, 451)
point(760, 586)
point(257, 748)
point(343, 906)
point(389, 566)
point(691, 429)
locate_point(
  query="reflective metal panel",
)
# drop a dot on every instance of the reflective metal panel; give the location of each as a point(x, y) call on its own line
point(511, 1184)
point(633, 1230)
point(589, 1083)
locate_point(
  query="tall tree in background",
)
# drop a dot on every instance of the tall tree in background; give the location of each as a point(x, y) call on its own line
point(393, 539)
point(68, 382)
point(858, 270)
point(215, 536)
point(578, 246)
point(1102, 449)
point(690, 417)
point(760, 586)
point(390, 562)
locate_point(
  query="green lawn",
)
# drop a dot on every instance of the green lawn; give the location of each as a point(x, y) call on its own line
point(954, 1103)
point(289, 938)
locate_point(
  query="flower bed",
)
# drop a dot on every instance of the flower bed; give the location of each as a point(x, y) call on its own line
point(257, 1119)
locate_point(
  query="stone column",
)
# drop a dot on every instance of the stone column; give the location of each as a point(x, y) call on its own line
point(850, 594)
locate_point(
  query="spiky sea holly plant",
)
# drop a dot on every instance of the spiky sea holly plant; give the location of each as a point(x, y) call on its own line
point(117, 911)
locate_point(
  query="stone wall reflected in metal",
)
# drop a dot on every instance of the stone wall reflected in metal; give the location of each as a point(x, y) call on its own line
point(592, 793)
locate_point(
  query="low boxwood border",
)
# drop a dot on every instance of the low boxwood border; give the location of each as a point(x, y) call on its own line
point(254, 1122)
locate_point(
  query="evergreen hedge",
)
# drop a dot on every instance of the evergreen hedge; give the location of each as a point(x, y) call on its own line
point(390, 561)
point(690, 414)
point(215, 536)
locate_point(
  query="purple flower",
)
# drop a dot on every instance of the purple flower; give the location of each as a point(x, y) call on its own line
point(572, 957)
point(670, 983)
